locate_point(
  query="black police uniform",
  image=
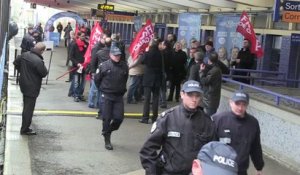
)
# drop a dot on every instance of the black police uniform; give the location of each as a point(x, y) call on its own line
point(243, 134)
point(112, 79)
point(179, 134)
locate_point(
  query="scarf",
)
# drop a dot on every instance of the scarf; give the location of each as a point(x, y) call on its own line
point(80, 44)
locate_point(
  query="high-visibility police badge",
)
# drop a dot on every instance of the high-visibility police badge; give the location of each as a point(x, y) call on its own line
point(153, 128)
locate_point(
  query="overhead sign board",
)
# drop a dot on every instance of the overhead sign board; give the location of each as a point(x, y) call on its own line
point(106, 7)
point(291, 6)
point(291, 16)
point(291, 11)
point(97, 13)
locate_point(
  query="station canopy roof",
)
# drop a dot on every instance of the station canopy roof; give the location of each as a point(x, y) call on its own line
point(161, 6)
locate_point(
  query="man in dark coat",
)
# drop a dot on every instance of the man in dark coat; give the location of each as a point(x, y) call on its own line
point(190, 62)
point(111, 80)
point(152, 79)
point(240, 130)
point(178, 135)
point(178, 72)
point(99, 45)
point(67, 31)
point(28, 40)
point(59, 29)
point(194, 72)
point(32, 71)
point(245, 60)
point(166, 50)
point(211, 80)
point(102, 55)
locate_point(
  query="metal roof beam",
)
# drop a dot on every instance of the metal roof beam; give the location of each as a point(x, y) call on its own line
point(147, 4)
point(118, 7)
point(218, 3)
point(136, 6)
point(191, 4)
point(257, 3)
point(165, 4)
point(242, 7)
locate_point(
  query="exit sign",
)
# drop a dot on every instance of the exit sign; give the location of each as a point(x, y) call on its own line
point(106, 7)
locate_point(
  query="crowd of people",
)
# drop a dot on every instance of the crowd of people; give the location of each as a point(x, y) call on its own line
point(164, 68)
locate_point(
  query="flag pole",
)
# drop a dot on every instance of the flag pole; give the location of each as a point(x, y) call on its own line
point(69, 71)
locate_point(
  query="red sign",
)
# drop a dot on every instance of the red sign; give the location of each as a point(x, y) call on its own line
point(145, 35)
point(246, 29)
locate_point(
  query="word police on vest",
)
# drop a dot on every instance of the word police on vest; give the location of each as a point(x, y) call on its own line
point(240, 96)
point(218, 158)
point(191, 86)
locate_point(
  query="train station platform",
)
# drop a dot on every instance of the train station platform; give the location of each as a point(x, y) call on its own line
point(69, 141)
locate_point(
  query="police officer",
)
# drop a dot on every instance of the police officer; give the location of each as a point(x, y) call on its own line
point(179, 133)
point(241, 131)
point(28, 40)
point(112, 79)
point(215, 158)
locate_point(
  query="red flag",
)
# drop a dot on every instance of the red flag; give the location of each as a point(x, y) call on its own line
point(94, 38)
point(141, 40)
point(246, 29)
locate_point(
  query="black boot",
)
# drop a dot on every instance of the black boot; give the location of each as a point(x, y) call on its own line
point(108, 145)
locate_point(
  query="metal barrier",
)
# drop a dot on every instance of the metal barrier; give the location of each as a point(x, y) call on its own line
point(257, 71)
point(262, 78)
point(2, 63)
point(277, 96)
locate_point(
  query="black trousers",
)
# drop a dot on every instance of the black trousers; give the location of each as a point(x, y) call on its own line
point(242, 80)
point(174, 84)
point(28, 108)
point(155, 98)
point(112, 113)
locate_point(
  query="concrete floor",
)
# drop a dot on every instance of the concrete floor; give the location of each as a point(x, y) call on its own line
point(72, 145)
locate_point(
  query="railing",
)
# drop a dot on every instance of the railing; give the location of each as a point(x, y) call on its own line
point(261, 78)
point(2, 63)
point(277, 96)
point(257, 71)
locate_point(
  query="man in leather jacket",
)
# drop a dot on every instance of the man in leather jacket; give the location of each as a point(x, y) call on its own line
point(179, 133)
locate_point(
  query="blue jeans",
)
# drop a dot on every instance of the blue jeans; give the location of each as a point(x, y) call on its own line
point(135, 83)
point(71, 89)
point(78, 84)
point(93, 95)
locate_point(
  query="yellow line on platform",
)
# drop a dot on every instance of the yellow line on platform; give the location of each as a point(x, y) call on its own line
point(64, 112)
